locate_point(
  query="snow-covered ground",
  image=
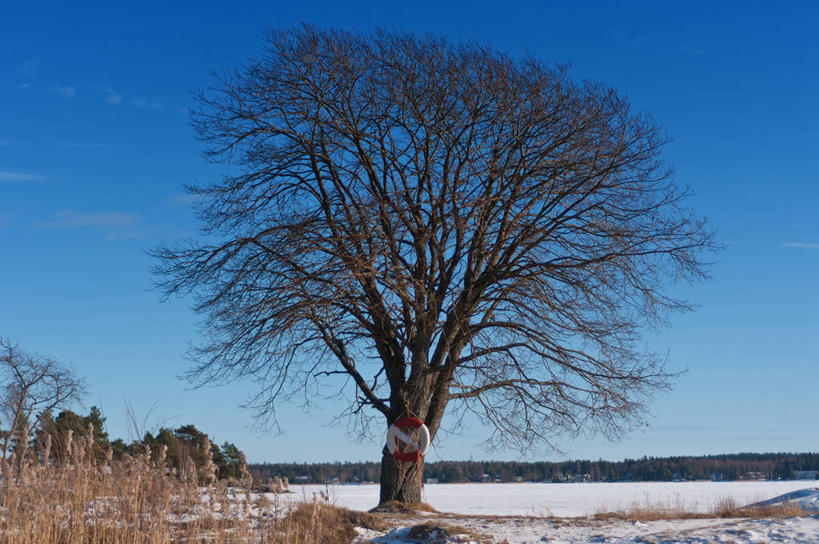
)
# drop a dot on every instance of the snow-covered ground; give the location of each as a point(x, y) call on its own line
point(526, 513)
point(562, 500)
point(803, 530)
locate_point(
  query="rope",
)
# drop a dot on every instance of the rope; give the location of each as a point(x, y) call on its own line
point(404, 473)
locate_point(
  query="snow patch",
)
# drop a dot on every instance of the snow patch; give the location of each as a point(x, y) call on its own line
point(803, 530)
point(807, 499)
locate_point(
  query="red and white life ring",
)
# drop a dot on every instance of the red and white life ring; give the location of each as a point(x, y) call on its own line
point(396, 433)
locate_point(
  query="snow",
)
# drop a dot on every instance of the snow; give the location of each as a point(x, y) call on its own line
point(562, 500)
point(527, 513)
point(522, 530)
point(807, 499)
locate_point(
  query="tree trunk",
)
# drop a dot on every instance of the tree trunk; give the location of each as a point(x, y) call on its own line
point(400, 481)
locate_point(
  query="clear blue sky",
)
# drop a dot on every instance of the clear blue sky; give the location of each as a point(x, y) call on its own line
point(95, 146)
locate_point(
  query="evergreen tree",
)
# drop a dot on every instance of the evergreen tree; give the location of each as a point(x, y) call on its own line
point(78, 425)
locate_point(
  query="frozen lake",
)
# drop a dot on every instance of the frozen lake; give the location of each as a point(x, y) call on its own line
point(562, 500)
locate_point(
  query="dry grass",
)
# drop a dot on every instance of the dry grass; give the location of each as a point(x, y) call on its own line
point(728, 508)
point(136, 501)
point(397, 507)
point(723, 508)
point(324, 524)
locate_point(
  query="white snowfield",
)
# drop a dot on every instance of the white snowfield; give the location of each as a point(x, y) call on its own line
point(560, 513)
point(563, 500)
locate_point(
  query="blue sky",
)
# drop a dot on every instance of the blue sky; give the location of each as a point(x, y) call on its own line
point(95, 147)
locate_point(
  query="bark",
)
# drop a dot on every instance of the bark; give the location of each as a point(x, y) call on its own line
point(402, 482)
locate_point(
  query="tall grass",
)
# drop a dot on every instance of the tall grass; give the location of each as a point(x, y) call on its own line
point(725, 507)
point(79, 499)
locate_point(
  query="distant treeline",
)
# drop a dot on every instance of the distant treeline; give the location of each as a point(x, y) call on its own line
point(740, 466)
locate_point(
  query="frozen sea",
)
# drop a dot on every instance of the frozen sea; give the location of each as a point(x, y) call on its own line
point(562, 500)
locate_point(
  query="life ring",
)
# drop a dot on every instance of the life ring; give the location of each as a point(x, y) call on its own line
point(395, 433)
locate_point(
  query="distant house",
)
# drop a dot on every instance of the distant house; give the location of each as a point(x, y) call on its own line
point(301, 479)
point(431, 481)
point(755, 476)
point(715, 477)
point(806, 474)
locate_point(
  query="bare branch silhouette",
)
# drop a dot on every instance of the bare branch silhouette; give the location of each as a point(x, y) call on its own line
point(33, 385)
point(442, 223)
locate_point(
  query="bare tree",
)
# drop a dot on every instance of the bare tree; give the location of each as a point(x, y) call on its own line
point(33, 385)
point(446, 226)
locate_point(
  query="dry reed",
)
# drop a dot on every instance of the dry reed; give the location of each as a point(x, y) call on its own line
point(78, 499)
point(725, 507)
